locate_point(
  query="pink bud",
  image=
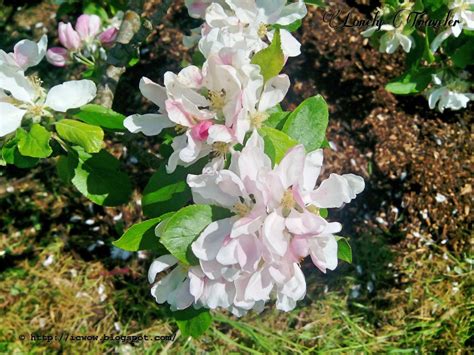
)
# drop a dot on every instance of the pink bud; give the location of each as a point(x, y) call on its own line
point(57, 56)
point(68, 37)
point(88, 26)
point(200, 131)
point(108, 36)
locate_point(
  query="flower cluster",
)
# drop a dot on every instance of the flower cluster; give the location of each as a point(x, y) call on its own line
point(82, 43)
point(245, 260)
point(435, 65)
point(23, 97)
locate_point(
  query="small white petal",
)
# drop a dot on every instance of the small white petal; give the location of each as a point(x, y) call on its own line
point(71, 94)
point(149, 124)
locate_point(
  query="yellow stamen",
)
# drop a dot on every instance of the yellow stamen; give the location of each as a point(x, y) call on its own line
point(217, 99)
point(262, 30)
point(180, 129)
point(220, 149)
point(242, 209)
point(257, 118)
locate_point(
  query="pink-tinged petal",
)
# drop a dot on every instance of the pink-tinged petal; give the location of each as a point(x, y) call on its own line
point(274, 234)
point(153, 92)
point(160, 264)
point(336, 190)
point(11, 117)
point(252, 158)
point(197, 8)
point(323, 251)
point(312, 168)
point(211, 239)
point(246, 225)
point(28, 53)
point(212, 269)
point(219, 133)
point(299, 247)
point(274, 91)
point(191, 76)
point(196, 282)
point(57, 56)
point(305, 223)
point(88, 26)
point(217, 188)
point(259, 286)
point(200, 131)
point(290, 168)
point(108, 36)
point(248, 252)
point(227, 255)
point(296, 286)
point(178, 114)
point(68, 37)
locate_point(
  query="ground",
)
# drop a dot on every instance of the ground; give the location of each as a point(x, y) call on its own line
point(410, 285)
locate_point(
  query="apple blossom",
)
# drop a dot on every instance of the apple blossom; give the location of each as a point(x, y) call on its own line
point(256, 253)
point(25, 54)
point(232, 22)
point(392, 39)
point(26, 97)
point(463, 18)
point(453, 93)
point(214, 106)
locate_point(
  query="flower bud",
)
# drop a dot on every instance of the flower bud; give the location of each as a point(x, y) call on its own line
point(57, 56)
point(108, 36)
point(200, 131)
point(68, 37)
point(88, 26)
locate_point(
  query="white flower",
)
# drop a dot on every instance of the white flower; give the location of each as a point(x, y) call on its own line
point(246, 23)
point(21, 95)
point(276, 224)
point(392, 39)
point(452, 94)
point(214, 106)
point(172, 288)
point(463, 14)
point(25, 54)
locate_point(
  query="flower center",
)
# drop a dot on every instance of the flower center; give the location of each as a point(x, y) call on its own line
point(217, 99)
point(36, 110)
point(257, 118)
point(220, 149)
point(262, 30)
point(36, 82)
point(242, 209)
point(288, 201)
point(180, 129)
point(458, 86)
point(313, 209)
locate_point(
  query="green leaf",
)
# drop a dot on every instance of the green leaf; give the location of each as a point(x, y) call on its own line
point(11, 155)
point(96, 176)
point(87, 136)
point(412, 82)
point(319, 3)
point(34, 143)
point(141, 236)
point(185, 226)
point(464, 55)
point(193, 322)
point(270, 59)
point(291, 27)
point(308, 122)
point(276, 142)
point(99, 116)
point(344, 250)
point(169, 192)
point(323, 212)
point(277, 120)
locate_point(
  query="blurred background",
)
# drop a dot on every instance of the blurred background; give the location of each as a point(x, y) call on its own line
point(409, 287)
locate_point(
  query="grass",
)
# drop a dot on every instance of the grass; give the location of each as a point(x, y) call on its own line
point(419, 302)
